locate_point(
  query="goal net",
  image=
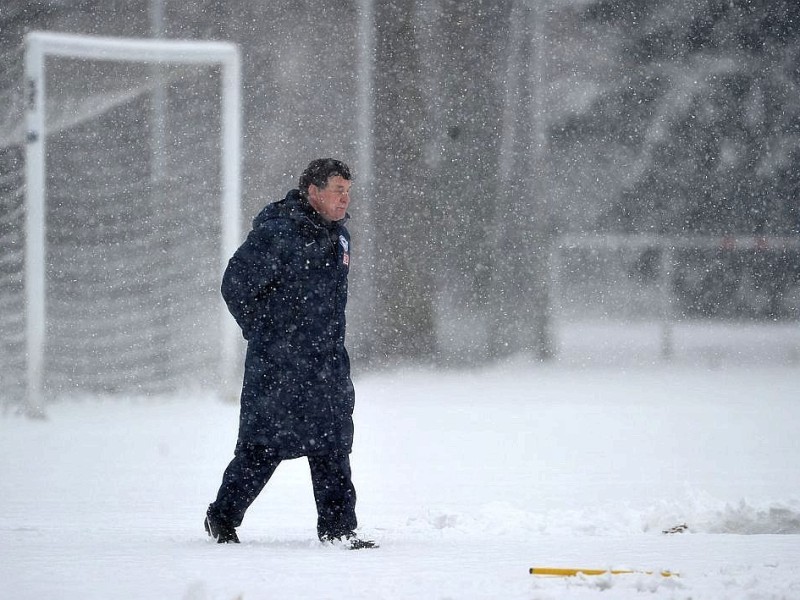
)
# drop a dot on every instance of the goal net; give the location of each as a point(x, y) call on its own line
point(129, 210)
point(707, 299)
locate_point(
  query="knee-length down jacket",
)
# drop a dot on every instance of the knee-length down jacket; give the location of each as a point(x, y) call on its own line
point(286, 286)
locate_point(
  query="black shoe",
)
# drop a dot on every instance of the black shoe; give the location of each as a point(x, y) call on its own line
point(222, 533)
point(349, 541)
point(356, 543)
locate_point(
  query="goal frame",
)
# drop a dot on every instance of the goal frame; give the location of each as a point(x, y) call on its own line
point(667, 246)
point(38, 46)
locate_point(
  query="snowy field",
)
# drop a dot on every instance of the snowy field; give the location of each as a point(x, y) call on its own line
point(467, 479)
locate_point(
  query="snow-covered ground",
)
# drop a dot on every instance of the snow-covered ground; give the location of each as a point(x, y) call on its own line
point(467, 479)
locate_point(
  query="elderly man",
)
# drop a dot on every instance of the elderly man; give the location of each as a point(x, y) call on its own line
point(286, 286)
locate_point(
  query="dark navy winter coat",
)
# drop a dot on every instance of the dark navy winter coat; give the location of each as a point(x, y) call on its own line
point(286, 286)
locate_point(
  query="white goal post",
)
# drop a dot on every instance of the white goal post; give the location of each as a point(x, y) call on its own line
point(38, 46)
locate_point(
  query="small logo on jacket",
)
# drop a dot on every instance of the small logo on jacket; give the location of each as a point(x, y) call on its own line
point(345, 250)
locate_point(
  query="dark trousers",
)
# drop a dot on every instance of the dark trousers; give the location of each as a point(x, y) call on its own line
point(251, 469)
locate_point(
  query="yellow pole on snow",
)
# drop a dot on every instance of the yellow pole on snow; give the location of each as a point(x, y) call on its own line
point(572, 572)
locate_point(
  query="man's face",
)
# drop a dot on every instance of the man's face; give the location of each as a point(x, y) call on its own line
point(332, 200)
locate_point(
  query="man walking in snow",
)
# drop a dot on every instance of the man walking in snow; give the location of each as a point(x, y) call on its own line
point(286, 286)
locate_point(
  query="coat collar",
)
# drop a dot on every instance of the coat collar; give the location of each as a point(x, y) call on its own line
point(295, 207)
point(300, 205)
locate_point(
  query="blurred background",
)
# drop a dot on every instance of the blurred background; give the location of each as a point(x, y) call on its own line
point(526, 173)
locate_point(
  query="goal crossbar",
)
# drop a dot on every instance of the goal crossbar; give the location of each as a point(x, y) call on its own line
point(38, 46)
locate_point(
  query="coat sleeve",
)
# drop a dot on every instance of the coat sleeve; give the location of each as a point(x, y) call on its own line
point(251, 274)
